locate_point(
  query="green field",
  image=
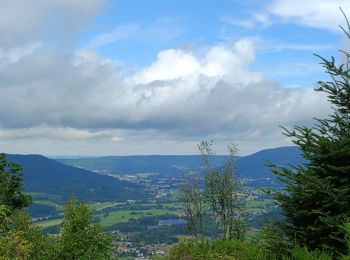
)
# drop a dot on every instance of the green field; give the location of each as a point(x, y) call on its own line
point(49, 203)
point(115, 217)
point(123, 216)
point(176, 205)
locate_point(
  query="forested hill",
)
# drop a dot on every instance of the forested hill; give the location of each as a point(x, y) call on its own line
point(49, 176)
point(252, 166)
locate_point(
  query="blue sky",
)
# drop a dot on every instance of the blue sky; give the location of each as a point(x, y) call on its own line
point(99, 77)
point(284, 49)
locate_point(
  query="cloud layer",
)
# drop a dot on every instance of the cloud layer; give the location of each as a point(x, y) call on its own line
point(181, 95)
point(26, 21)
point(57, 101)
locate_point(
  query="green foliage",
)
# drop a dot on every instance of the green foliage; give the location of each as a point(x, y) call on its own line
point(11, 185)
point(317, 194)
point(222, 192)
point(240, 250)
point(80, 238)
point(195, 207)
point(5, 218)
point(302, 253)
point(220, 249)
point(272, 241)
point(19, 239)
point(220, 202)
point(346, 228)
point(22, 240)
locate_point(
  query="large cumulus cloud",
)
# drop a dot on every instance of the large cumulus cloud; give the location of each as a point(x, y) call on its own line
point(184, 96)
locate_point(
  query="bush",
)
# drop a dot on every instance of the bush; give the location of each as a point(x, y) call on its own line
point(220, 249)
point(241, 250)
point(272, 241)
point(302, 253)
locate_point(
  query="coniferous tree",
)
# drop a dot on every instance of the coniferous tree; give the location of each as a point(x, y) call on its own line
point(316, 199)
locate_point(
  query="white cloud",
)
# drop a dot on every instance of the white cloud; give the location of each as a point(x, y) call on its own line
point(181, 98)
point(248, 24)
point(159, 32)
point(324, 14)
point(57, 133)
point(55, 101)
point(301, 47)
point(220, 61)
point(14, 54)
point(262, 19)
point(170, 64)
point(119, 33)
point(255, 20)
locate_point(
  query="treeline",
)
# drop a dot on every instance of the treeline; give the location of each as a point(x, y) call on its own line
point(39, 210)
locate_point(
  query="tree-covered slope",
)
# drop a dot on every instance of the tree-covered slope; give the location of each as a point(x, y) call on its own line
point(45, 175)
point(252, 166)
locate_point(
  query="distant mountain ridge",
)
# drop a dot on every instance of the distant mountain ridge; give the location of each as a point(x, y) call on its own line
point(49, 176)
point(251, 166)
point(44, 175)
point(166, 164)
point(254, 165)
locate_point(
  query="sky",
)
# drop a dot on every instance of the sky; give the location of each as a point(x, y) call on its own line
point(124, 77)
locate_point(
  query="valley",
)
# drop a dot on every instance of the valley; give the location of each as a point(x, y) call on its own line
point(137, 198)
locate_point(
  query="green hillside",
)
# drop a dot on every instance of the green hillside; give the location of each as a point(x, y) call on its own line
point(45, 176)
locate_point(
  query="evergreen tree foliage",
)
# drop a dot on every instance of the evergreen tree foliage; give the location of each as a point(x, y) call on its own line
point(11, 185)
point(316, 199)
